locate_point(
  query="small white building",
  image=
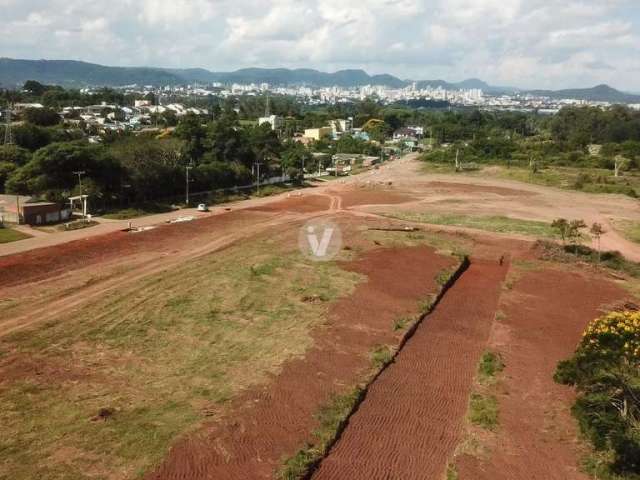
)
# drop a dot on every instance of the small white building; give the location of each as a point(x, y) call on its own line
point(275, 121)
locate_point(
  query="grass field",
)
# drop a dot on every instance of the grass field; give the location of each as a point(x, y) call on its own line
point(628, 228)
point(10, 235)
point(497, 224)
point(155, 359)
point(590, 180)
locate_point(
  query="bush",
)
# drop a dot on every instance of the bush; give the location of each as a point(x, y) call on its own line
point(605, 370)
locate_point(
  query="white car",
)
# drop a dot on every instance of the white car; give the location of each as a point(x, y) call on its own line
point(203, 207)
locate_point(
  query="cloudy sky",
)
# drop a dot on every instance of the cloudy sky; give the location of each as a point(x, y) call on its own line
point(524, 43)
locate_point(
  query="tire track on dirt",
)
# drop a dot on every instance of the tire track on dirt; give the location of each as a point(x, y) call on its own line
point(67, 303)
point(410, 421)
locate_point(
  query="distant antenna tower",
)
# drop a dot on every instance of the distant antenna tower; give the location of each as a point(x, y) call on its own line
point(8, 137)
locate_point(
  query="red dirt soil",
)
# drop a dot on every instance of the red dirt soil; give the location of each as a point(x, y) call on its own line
point(270, 423)
point(47, 262)
point(372, 196)
point(411, 418)
point(302, 204)
point(546, 313)
point(450, 187)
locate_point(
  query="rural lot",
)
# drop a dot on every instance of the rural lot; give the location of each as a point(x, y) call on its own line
point(216, 349)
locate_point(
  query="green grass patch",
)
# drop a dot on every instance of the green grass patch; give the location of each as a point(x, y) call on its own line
point(483, 411)
point(401, 324)
point(628, 228)
point(444, 276)
point(493, 223)
point(381, 356)
point(8, 235)
point(452, 473)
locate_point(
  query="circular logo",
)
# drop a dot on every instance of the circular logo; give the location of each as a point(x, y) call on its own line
point(320, 240)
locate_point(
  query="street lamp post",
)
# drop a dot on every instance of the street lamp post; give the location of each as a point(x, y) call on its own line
point(188, 168)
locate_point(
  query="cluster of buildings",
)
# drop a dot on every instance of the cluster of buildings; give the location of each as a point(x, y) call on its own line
point(105, 117)
point(470, 97)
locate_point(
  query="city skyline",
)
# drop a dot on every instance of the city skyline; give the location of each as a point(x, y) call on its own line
point(537, 44)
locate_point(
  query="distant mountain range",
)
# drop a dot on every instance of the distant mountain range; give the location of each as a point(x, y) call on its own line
point(599, 93)
point(71, 73)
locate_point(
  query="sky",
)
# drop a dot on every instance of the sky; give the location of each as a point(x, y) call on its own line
point(522, 43)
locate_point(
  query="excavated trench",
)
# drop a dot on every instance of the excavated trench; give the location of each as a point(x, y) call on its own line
point(410, 417)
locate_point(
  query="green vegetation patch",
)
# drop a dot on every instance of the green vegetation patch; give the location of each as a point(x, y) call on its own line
point(10, 235)
point(332, 418)
point(483, 411)
point(138, 211)
point(494, 223)
point(381, 356)
point(491, 364)
point(605, 372)
point(630, 229)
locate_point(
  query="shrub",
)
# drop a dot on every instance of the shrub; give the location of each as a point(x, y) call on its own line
point(605, 372)
point(490, 364)
point(483, 411)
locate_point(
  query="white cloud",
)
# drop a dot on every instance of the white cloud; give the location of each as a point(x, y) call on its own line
point(530, 43)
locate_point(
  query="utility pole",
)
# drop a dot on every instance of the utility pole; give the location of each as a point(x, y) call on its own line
point(82, 201)
point(188, 167)
point(257, 165)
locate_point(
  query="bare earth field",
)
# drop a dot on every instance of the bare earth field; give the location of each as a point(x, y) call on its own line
point(207, 349)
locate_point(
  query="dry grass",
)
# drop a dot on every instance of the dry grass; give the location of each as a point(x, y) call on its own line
point(159, 356)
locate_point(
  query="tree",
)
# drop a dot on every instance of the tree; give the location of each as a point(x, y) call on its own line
point(191, 130)
point(562, 227)
point(14, 154)
point(619, 163)
point(31, 136)
point(36, 89)
point(377, 129)
point(49, 173)
point(574, 233)
point(597, 231)
point(43, 117)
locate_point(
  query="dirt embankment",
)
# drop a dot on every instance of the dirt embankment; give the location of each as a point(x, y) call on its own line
point(544, 317)
point(266, 425)
point(298, 204)
point(352, 197)
point(410, 421)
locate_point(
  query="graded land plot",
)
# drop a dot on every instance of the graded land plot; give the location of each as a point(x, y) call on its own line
point(270, 424)
point(543, 312)
point(252, 336)
point(372, 195)
point(410, 420)
point(301, 204)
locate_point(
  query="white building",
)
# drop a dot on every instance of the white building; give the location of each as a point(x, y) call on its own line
point(275, 121)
